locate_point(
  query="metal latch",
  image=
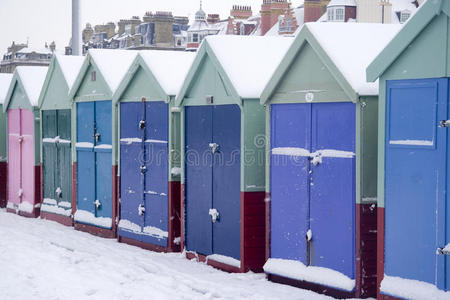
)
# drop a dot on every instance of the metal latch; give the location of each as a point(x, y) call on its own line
point(20, 139)
point(141, 124)
point(316, 159)
point(214, 214)
point(141, 209)
point(97, 137)
point(58, 192)
point(97, 204)
point(214, 147)
point(57, 139)
point(143, 169)
point(20, 193)
point(309, 235)
point(444, 123)
point(442, 251)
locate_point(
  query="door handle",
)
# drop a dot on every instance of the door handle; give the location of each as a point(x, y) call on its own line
point(443, 251)
point(316, 159)
point(97, 204)
point(141, 124)
point(143, 169)
point(141, 209)
point(97, 137)
point(214, 214)
point(58, 192)
point(214, 147)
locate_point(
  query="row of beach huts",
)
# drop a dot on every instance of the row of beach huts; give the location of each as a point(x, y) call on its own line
point(320, 159)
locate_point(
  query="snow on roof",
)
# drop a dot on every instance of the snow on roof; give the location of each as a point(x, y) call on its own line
point(5, 80)
point(37, 50)
point(342, 3)
point(400, 5)
point(352, 47)
point(70, 67)
point(32, 79)
point(113, 64)
point(169, 67)
point(249, 61)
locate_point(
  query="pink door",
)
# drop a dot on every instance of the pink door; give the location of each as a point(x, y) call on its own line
point(27, 120)
point(14, 149)
point(21, 159)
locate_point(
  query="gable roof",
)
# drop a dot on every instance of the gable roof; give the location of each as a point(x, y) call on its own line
point(246, 63)
point(415, 25)
point(31, 79)
point(70, 67)
point(169, 68)
point(345, 48)
point(5, 81)
point(112, 64)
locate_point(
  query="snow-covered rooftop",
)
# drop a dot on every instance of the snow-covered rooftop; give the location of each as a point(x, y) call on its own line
point(5, 80)
point(169, 67)
point(352, 47)
point(249, 61)
point(113, 64)
point(70, 67)
point(32, 79)
point(342, 3)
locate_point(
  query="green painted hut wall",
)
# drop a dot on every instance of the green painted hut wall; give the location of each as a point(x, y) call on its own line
point(3, 135)
point(427, 56)
point(56, 92)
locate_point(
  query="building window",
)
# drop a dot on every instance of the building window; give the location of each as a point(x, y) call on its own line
point(404, 16)
point(195, 38)
point(330, 14)
point(339, 14)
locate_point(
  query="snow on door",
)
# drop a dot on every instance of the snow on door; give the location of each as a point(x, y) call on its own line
point(313, 184)
point(94, 163)
point(213, 179)
point(415, 181)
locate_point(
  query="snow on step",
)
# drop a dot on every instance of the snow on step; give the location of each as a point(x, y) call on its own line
point(56, 210)
point(411, 289)
point(225, 260)
point(84, 216)
point(129, 226)
point(148, 230)
point(156, 232)
point(293, 151)
point(104, 146)
point(411, 142)
point(28, 207)
point(296, 270)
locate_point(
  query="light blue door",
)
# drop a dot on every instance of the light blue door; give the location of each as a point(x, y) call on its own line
point(415, 180)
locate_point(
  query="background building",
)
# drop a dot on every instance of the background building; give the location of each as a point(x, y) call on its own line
point(23, 55)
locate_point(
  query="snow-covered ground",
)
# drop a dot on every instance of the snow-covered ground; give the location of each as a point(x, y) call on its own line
point(41, 259)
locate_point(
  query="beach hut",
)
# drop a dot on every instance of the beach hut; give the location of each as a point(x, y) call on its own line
point(94, 127)
point(56, 153)
point(5, 80)
point(21, 106)
point(413, 200)
point(223, 148)
point(321, 173)
point(149, 164)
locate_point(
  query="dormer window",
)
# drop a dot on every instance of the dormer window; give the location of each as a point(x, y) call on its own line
point(336, 14)
point(404, 16)
point(339, 14)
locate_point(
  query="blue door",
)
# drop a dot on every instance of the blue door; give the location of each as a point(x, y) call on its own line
point(198, 182)
point(415, 180)
point(131, 179)
point(156, 175)
point(226, 180)
point(213, 179)
point(85, 157)
point(289, 169)
point(94, 158)
point(332, 187)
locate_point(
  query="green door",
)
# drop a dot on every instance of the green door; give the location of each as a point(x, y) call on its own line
point(57, 175)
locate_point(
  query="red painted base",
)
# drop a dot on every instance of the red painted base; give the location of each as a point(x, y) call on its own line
point(174, 215)
point(380, 250)
point(34, 214)
point(66, 221)
point(3, 184)
point(386, 297)
point(213, 263)
point(146, 246)
point(94, 230)
point(339, 294)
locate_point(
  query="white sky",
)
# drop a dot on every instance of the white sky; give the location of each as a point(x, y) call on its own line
point(48, 20)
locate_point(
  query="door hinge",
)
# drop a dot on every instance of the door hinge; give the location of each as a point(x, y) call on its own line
point(214, 214)
point(444, 123)
point(442, 251)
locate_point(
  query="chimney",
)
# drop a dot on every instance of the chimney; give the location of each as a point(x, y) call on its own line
point(270, 11)
point(76, 30)
point(314, 9)
point(241, 12)
point(213, 18)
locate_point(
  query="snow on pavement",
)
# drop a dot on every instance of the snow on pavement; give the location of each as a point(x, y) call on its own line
point(41, 259)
